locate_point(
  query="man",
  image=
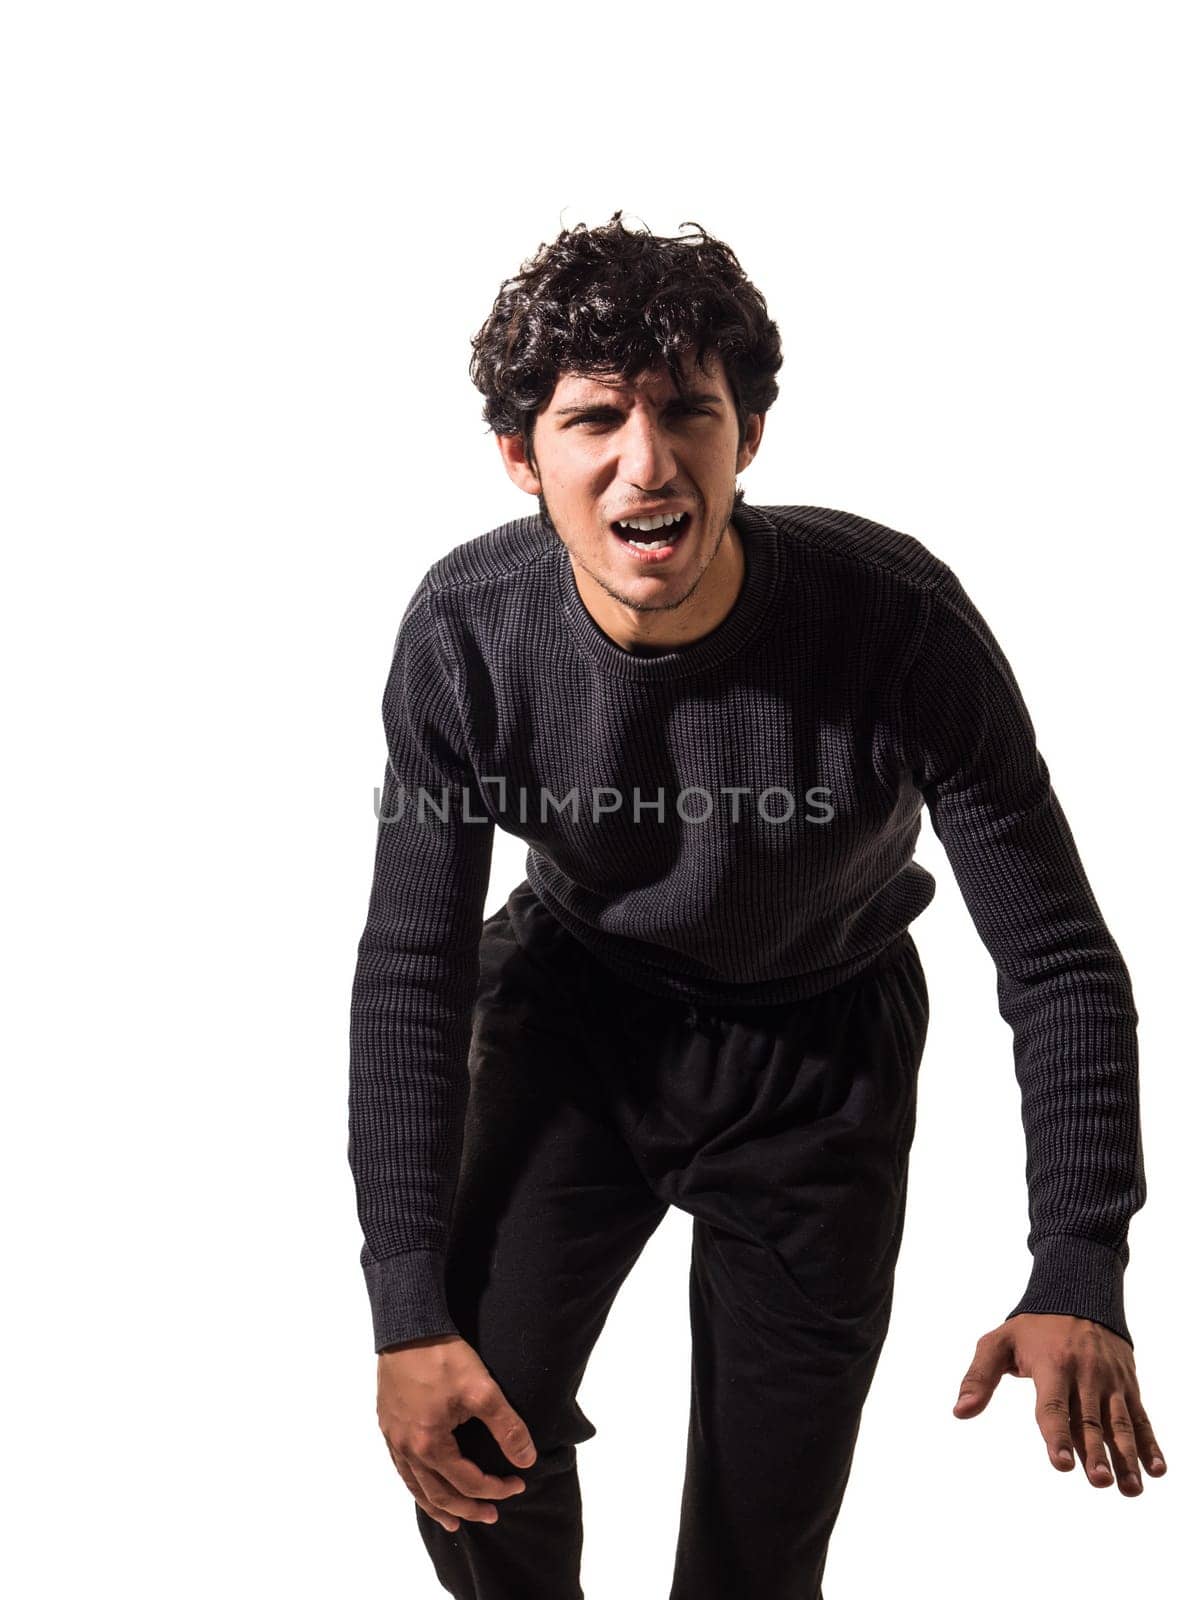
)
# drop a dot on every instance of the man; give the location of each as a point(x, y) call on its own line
point(716, 726)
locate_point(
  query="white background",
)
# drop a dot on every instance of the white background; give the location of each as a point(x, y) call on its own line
point(246, 248)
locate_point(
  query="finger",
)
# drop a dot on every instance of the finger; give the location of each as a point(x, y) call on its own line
point(1122, 1443)
point(506, 1427)
point(466, 1475)
point(414, 1488)
point(451, 1524)
point(1052, 1412)
point(1087, 1428)
point(1147, 1445)
point(992, 1361)
point(447, 1498)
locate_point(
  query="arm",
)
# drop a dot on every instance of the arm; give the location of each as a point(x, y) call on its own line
point(1062, 985)
point(414, 990)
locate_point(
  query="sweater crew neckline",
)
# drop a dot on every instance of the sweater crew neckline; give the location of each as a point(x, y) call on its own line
point(760, 543)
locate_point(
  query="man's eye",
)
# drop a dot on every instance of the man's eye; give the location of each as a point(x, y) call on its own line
point(605, 417)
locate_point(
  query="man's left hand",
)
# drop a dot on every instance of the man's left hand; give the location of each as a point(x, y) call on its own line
point(1087, 1394)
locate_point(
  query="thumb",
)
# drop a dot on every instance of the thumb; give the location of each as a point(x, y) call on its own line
point(989, 1366)
point(508, 1430)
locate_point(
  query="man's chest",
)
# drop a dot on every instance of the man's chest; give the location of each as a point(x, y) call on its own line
point(589, 767)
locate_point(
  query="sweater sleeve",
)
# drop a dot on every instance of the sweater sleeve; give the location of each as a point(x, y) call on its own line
point(414, 988)
point(1062, 984)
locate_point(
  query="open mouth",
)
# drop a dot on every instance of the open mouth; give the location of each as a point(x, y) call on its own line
point(654, 544)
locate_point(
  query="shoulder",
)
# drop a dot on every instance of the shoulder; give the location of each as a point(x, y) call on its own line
point(478, 587)
point(821, 534)
point(512, 549)
point(479, 573)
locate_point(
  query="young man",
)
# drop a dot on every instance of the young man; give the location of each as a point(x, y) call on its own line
point(716, 726)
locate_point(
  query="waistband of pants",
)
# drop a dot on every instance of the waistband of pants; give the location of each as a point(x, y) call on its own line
point(533, 923)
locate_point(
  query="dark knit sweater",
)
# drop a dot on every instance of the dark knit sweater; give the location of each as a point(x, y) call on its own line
point(852, 684)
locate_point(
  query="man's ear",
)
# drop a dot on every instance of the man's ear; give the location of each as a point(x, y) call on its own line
point(522, 472)
point(755, 423)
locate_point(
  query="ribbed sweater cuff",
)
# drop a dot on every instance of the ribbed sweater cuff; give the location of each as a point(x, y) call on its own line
point(1078, 1278)
point(408, 1296)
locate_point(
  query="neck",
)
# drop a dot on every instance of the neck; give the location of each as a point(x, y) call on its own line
point(662, 628)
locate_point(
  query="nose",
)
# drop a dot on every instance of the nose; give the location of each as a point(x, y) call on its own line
point(647, 459)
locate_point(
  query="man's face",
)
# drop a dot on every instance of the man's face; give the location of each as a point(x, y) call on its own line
point(606, 450)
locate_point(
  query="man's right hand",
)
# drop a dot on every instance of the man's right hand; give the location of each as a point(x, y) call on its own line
point(426, 1388)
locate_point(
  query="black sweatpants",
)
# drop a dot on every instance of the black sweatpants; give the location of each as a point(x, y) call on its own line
point(785, 1132)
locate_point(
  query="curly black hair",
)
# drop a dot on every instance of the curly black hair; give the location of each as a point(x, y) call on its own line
point(612, 301)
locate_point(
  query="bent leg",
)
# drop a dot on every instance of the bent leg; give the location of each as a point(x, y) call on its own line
point(550, 1215)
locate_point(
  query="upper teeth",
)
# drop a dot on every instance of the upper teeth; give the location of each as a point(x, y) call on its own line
point(649, 524)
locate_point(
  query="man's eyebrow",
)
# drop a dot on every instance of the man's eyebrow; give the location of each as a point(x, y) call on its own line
point(603, 405)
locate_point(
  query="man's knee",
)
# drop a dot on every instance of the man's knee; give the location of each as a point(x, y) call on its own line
point(554, 1440)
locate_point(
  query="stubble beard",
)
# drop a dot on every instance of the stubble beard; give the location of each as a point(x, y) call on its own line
point(641, 605)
